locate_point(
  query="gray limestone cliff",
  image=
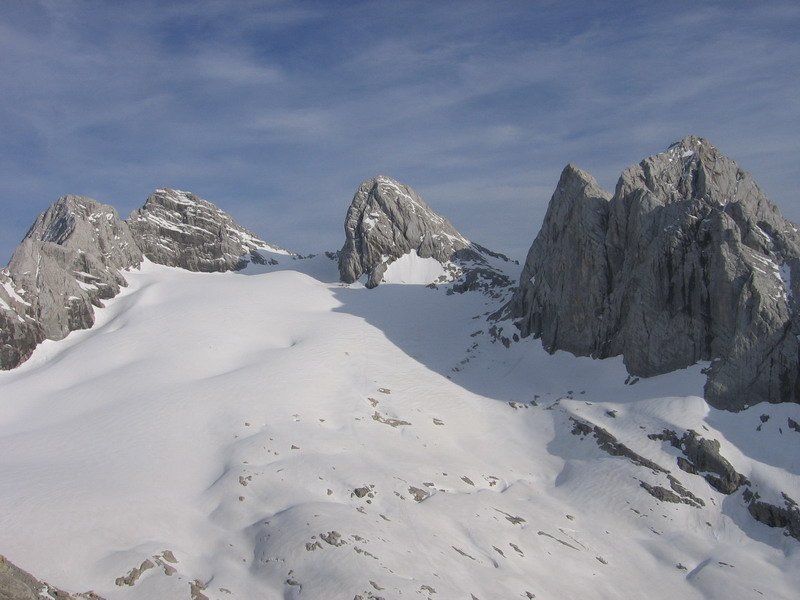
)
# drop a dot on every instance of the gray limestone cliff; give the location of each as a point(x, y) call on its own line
point(16, 584)
point(74, 256)
point(69, 262)
point(387, 220)
point(178, 229)
point(567, 262)
point(687, 262)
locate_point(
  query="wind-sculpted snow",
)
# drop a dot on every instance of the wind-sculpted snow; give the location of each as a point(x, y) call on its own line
point(329, 441)
point(688, 261)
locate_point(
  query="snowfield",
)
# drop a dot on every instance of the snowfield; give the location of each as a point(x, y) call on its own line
point(275, 434)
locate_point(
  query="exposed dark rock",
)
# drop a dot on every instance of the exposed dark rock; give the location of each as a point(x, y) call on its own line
point(787, 516)
point(74, 256)
point(611, 445)
point(687, 496)
point(333, 538)
point(678, 494)
point(178, 229)
point(19, 332)
point(662, 494)
point(70, 260)
point(566, 280)
point(387, 220)
point(688, 261)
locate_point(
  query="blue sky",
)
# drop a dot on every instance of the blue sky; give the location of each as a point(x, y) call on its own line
point(276, 111)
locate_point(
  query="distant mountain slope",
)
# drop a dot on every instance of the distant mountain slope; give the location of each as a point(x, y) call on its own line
point(687, 262)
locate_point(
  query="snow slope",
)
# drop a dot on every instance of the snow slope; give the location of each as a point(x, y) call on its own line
point(275, 434)
point(411, 268)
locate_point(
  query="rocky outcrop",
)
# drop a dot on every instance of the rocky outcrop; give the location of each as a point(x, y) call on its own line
point(16, 584)
point(701, 456)
point(568, 261)
point(69, 262)
point(388, 220)
point(687, 262)
point(178, 229)
point(74, 256)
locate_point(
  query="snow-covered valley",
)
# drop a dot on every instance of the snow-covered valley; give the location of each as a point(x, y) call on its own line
point(273, 433)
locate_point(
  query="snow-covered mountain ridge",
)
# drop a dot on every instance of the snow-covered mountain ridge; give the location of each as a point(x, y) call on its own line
point(268, 431)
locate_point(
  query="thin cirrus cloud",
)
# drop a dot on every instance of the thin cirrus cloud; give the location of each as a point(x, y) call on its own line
point(277, 110)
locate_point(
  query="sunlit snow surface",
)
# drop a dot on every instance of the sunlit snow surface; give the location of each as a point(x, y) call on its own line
point(411, 268)
point(285, 436)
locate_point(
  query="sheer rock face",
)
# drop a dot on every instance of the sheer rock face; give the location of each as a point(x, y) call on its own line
point(387, 220)
point(688, 261)
point(69, 261)
point(571, 243)
point(178, 229)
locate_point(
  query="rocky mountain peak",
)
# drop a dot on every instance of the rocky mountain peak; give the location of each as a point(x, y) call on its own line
point(178, 229)
point(387, 220)
point(69, 261)
point(73, 256)
point(687, 262)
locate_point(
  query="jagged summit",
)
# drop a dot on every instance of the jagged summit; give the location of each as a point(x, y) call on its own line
point(567, 262)
point(69, 261)
point(388, 221)
point(179, 229)
point(687, 262)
